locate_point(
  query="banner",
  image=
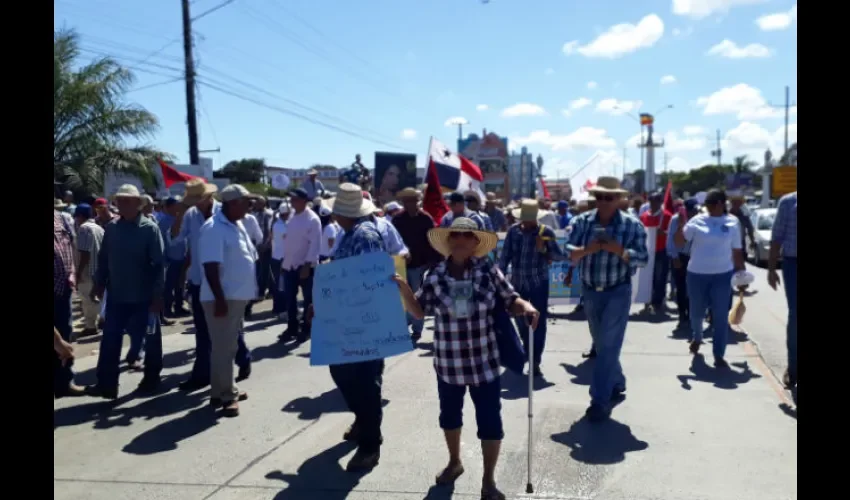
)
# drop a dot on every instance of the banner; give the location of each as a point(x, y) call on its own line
point(393, 172)
point(560, 294)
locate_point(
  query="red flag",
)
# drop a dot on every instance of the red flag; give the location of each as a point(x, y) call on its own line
point(433, 201)
point(171, 175)
point(542, 190)
point(668, 198)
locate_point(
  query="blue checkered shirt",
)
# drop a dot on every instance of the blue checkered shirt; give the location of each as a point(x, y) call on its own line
point(529, 268)
point(604, 269)
point(361, 239)
point(785, 225)
point(488, 223)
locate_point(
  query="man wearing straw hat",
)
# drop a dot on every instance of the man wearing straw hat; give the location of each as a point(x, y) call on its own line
point(198, 197)
point(131, 267)
point(359, 383)
point(528, 250)
point(609, 246)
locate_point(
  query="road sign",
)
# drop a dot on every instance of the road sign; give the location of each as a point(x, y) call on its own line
point(784, 181)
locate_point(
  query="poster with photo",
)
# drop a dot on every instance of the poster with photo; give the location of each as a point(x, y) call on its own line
point(393, 172)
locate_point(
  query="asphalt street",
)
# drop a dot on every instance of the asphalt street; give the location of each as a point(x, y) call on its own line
point(684, 431)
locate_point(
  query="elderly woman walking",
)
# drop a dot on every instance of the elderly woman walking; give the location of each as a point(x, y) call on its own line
point(461, 293)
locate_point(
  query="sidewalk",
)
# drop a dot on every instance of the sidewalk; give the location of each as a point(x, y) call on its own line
point(683, 433)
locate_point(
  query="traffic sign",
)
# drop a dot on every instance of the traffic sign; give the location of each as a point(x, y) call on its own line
point(784, 181)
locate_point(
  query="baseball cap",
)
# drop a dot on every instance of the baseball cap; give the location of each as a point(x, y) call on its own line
point(100, 202)
point(299, 193)
point(234, 192)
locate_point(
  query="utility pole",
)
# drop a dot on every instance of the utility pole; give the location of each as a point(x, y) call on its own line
point(191, 113)
point(718, 153)
point(665, 162)
point(787, 113)
point(625, 152)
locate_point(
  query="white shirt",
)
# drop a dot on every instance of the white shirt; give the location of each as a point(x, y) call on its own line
point(253, 228)
point(229, 245)
point(329, 232)
point(303, 235)
point(712, 241)
point(278, 235)
point(392, 239)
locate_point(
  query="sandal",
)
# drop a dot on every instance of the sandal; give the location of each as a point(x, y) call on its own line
point(491, 493)
point(449, 474)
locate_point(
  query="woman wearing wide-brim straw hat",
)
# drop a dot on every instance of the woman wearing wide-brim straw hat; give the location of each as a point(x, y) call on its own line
point(461, 293)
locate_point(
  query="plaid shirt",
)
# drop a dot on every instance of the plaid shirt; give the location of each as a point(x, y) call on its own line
point(604, 269)
point(465, 350)
point(363, 238)
point(785, 225)
point(63, 256)
point(529, 267)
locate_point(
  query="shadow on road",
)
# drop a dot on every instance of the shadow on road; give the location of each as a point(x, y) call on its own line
point(602, 443)
point(582, 373)
point(788, 410)
point(320, 476)
point(276, 350)
point(722, 378)
point(167, 435)
point(515, 386)
point(312, 408)
point(652, 318)
point(173, 359)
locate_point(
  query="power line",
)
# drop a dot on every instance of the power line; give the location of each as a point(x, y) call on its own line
point(158, 84)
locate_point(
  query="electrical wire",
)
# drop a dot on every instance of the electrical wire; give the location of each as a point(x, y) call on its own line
point(158, 84)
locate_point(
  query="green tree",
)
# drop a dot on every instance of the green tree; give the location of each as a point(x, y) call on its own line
point(244, 171)
point(95, 130)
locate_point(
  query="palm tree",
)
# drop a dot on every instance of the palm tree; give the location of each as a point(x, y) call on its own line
point(743, 164)
point(95, 130)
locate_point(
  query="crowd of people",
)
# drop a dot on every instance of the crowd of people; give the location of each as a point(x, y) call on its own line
point(132, 261)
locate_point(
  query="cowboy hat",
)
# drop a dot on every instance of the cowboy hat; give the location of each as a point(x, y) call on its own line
point(607, 185)
point(406, 193)
point(58, 204)
point(312, 171)
point(196, 190)
point(439, 237)
point(350, 203)
point(127, 191)
point(528, 211)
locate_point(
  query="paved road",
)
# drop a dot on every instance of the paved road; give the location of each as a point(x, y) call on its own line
point(685, 431)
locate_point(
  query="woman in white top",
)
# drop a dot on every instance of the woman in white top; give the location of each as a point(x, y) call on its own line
point(330, 232)
point(716, 254)
point(278, 234)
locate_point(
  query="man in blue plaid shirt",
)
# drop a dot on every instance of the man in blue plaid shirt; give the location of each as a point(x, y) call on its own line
point(610, 246)
point(784, 239)
point(529, 249)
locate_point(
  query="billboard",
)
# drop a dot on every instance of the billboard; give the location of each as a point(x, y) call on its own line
point(784, 181)
point(393, 172)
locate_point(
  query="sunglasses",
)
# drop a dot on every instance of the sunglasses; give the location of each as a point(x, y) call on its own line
point(606, 197)
point(464, 234)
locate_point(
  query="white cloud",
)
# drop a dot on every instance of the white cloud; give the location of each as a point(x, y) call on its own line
point(668, 79)
point(581, 102)
point(621, 39)
point(482, 107)
point(592, 85)
point(731, 50)
point(549, 71)
point(698, 9)
point(676, 144)
point(523, 109)
point(408, 133)
point(583, 137)
point(778, 21)
point(455, 121)
point(742, 100)
point(752, 139)
point(693, 130)
point(682, 33)
point(614, 107)
point(567, 113)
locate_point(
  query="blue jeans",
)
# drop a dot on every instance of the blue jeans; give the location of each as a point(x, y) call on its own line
point(132, 318)
point(789, 276)
point(607, 315)
point(539, 298)
point(278, 296)
point(714, 292)
point(203, 348)
point(660, 277)
point(487, 400)
point(173, 294)
point(414, 279)
point(63, 375)
point(292, 281)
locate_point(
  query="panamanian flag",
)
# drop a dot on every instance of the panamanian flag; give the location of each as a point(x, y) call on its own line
point(454, 172)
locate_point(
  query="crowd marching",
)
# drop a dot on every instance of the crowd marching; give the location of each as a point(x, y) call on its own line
point(133, 262)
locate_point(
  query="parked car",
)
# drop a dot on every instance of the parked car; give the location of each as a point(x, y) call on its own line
point(762, 220)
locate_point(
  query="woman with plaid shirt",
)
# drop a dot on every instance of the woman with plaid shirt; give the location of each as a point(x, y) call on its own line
point(461, 293)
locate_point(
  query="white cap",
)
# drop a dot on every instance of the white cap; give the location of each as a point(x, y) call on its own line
point(324, 211)
point(392, 206)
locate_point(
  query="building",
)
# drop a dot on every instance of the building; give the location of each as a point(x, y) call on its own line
point(523, 171)
point(490, 153)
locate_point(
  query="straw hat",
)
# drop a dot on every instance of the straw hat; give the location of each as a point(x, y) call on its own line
point(529, 211)
point(128, 191)
point(439, 237)
point(58, 204)
point(607, 185)
point(407, 193)
point(350, 202)
point(312, 171)
point(196, 190)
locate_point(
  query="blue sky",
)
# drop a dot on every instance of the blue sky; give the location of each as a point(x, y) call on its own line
point(555, 75)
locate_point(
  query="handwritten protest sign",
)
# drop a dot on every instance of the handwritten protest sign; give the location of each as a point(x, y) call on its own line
point(358, 312)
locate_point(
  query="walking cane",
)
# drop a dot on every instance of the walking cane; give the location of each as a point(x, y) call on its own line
point(529, 488)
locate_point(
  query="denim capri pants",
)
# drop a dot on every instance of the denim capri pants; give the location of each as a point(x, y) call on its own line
point(487, 400)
